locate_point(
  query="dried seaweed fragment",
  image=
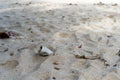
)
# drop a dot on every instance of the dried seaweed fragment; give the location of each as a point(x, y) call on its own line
point(57, 68)
point(80, 46)
point(118, 53)
point(4, 35)
point(56, 63)
point(8, 34)
point(92, 58)
point(81, 57)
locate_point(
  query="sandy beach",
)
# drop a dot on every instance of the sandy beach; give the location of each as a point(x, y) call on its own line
point(83, 37)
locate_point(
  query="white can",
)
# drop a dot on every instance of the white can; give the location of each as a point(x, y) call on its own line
point(44, 51)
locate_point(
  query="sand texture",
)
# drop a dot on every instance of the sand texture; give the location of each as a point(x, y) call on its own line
point(85, 39)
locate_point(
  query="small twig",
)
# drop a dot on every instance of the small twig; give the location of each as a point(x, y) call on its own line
point(92, 58)
point(22, 48)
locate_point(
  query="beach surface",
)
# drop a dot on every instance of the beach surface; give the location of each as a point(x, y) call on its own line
point(85, 39)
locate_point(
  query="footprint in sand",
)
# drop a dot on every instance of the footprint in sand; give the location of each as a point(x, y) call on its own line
point(9, 64)
point(111, 76)
point(64, 35)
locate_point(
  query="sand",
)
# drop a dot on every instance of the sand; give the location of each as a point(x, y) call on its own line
point(83, 37)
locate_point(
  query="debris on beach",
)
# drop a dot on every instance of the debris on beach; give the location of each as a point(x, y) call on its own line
point(8, 34)
point(44, 51)
point(4, 35)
